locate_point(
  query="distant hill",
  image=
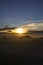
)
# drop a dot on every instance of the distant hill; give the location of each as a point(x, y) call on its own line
point(7, 28)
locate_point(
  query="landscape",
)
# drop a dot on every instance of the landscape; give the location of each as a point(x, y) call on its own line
point(25, 50)
point(21, 32)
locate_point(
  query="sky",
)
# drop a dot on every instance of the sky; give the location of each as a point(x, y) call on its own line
point(18, 12)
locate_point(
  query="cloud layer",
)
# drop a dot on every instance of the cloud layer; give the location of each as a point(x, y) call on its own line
point(34, 26)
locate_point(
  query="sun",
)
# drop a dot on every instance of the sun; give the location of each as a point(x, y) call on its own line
point(19, 30)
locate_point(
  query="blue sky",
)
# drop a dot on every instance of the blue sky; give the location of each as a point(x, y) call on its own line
point(18, 12)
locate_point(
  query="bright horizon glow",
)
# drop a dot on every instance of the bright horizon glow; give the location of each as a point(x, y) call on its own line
point(20, 30)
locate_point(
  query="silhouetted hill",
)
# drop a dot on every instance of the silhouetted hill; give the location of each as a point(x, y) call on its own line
point(7, 28)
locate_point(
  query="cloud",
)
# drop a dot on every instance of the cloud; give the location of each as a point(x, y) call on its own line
point(34, 26)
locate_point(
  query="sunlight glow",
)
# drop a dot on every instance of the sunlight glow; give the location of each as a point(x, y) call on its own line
point(20, 30)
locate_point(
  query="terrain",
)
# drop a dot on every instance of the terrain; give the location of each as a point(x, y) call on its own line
point(20, 50)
